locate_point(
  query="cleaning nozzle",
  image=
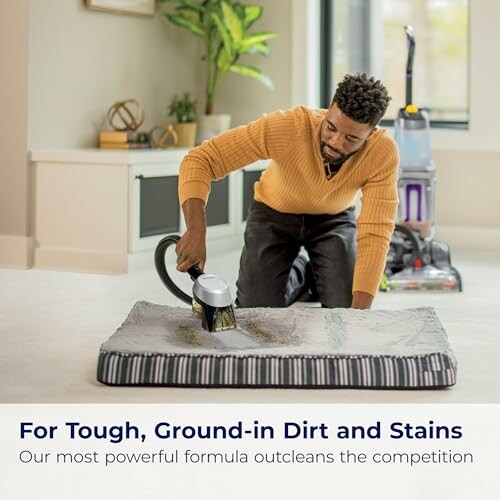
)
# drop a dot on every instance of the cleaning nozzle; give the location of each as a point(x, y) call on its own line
point(212, 290)
point(212, 302)
point(211, 299)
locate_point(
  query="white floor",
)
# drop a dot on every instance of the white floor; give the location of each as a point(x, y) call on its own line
point(52, 324)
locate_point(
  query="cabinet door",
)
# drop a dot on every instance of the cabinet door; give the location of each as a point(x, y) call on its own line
point(159, 205)
point(217, 210)
point(154, 204)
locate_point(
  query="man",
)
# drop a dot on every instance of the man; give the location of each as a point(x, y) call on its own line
point(320, 159)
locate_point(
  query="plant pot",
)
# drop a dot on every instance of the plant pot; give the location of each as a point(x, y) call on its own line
point(210, 125)
point(186, 134)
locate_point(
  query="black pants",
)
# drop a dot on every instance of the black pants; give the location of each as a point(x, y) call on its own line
point(272, 242)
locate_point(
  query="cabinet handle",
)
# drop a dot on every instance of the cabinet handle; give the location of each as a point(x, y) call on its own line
point(139, 177)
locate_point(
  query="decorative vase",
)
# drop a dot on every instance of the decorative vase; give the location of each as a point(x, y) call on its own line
point(210, 125)
point(186, 134)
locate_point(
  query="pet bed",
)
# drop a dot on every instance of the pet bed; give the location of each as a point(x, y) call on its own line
point(309, 347)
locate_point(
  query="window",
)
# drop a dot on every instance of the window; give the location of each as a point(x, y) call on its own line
point(368, 36)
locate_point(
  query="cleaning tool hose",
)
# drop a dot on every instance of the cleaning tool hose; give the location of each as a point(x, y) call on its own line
point(162, 270)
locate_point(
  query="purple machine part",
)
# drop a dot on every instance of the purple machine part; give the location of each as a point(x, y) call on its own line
point(417, 188)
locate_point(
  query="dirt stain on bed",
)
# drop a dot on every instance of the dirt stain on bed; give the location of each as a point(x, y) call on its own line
point(190, 335)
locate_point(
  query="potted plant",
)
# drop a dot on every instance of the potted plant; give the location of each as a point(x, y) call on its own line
point(224, 26)
point(184, 110)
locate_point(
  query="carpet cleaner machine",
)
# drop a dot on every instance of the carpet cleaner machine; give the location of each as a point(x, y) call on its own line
point(211, 300)
point(416, 261)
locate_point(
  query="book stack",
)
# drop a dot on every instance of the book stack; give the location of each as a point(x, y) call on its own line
point(114, 139)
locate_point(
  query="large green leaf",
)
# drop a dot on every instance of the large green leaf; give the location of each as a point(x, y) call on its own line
point(222, 60)
point(191, 15)
point(232, 22)
point(224, 35)
point(238, 8)
point(251, 14)
point(208, 7)
point(192, 5)
point(256, 48)
point(252, 43)
point(257, 38)
point(184, 22)
point(256, 73)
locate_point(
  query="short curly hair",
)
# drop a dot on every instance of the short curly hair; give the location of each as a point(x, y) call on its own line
point(362, 98)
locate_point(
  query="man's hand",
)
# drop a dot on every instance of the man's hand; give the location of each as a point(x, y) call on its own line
point(191, 250)
point(361, 300)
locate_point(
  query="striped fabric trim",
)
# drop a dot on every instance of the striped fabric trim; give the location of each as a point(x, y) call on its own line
point(430, 370)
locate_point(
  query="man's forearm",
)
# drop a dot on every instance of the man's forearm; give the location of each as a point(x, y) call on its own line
point(194, 214)
point(191, 249)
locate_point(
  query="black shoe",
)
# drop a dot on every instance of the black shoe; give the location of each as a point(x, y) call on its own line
point(308, 292)
point(314, 295)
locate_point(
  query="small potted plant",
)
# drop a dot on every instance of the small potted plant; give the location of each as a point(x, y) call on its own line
point(184, 110)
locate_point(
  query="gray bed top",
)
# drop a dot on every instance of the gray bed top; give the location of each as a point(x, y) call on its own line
point(152, 328)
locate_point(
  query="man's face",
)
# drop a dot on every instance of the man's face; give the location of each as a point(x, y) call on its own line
point(341, 136)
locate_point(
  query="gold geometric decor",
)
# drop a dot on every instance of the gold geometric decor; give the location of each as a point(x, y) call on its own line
point(126, 115)
point(163, 136)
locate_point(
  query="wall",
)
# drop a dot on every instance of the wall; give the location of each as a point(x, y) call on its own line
point(81, 61)
point(467, 208)
point(246, 98)
point(87, 60)
point(14, 191)
point(468, 162)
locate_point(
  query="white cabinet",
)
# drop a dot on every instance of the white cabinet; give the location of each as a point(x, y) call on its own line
point(92, 208)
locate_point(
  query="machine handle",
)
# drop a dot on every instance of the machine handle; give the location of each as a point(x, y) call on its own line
point(195, 272)
point(410, 37)
point(161, 269)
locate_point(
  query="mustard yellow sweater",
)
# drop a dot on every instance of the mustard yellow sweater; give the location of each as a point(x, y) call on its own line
point(295, 182)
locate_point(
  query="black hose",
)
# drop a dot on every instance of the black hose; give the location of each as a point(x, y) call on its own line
point(161, 269)
point(417, 253)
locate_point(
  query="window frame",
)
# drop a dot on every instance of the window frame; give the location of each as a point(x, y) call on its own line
point(326, 68)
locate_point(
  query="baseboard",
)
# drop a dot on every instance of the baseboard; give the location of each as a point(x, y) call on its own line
point(470, 237)
point(16, 251)
point(64, 259)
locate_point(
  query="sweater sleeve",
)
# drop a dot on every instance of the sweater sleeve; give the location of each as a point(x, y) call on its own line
point(375, 223)
point(265, 138)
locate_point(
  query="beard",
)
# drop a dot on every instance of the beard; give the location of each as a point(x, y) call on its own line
point(335, 161)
